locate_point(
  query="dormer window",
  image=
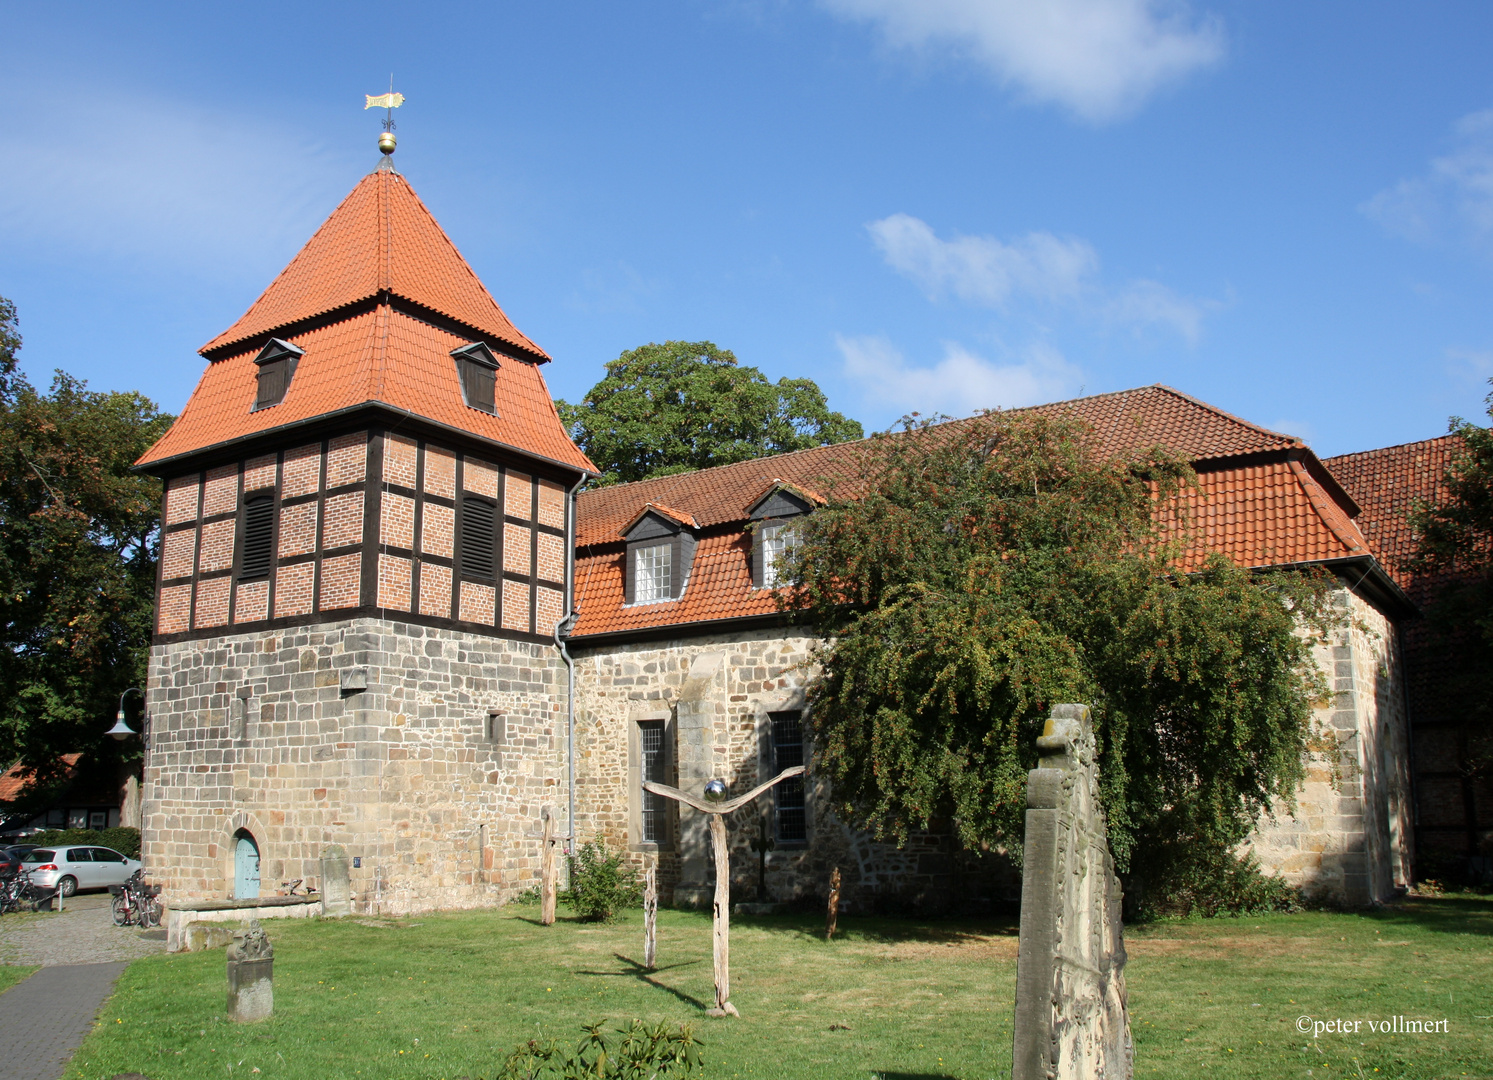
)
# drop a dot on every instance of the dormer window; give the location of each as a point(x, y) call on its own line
point(277, 363)
point(477, 367)
point(775, 515)
point(660, 553)
point(777, 540)
point(653, 573)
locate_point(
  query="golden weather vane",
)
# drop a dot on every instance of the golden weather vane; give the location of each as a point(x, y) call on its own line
point(389, 102)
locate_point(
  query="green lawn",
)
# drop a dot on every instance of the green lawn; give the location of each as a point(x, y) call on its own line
point(10, 974)
point(448, 995)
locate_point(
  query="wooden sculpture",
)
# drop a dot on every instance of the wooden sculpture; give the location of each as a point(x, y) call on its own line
point(718, 806)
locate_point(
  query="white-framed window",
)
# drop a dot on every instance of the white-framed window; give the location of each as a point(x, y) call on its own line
point(777, 541)
point(653, 764)
point(653, 570)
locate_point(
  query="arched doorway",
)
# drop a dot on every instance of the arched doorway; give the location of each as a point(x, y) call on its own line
point(245, 866)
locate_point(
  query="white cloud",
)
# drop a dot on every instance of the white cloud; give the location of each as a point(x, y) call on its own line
point(160, 181)
point(1453, 199)
point(958, 384)
point(1100, 59)
point(982, 269)
point(1038, 266)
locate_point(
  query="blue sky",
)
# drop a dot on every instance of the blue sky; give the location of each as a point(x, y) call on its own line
point(1283, 209)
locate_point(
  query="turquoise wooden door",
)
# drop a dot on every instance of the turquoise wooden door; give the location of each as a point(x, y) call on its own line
point(245, 868)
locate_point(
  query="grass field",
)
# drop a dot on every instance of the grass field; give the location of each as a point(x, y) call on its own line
point(10, 974)
point(448, 995)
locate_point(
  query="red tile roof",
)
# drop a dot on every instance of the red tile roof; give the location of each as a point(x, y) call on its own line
point(1277, 506)
point(1386, 484)
point(381, 239)
point(15, 780)
point(379, 249)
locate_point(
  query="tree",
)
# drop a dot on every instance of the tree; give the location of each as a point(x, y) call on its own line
point(78, 545)
point(687, 405)
point(1455, 552)
point(987, 569)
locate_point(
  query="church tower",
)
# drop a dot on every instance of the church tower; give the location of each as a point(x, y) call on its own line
point(368, 505)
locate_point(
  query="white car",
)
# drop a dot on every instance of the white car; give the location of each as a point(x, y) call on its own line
point(73, 867)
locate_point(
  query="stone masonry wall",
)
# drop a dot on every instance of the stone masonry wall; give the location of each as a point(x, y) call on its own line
point(1351, 839)
point(253, 731)
point(715, 692)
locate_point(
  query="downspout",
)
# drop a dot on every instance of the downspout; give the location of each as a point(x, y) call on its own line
point(562, 633)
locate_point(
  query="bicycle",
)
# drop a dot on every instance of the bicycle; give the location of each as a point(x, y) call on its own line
point(18, 891)
point(135, 903)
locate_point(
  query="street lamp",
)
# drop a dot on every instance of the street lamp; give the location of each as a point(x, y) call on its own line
point(121, 730)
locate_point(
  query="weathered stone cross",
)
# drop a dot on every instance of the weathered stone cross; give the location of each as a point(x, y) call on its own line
point(712, 805)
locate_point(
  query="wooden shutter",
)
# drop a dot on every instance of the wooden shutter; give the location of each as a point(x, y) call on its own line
point(477, 547)
point(271, 383)
point(478, 384)
point(259, 534)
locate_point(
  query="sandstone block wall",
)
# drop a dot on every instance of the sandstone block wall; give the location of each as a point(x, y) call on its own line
point(253, 731)
point(1351, 838)
point(714, 693)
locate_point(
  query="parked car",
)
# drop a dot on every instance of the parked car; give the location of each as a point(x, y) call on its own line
point(10, 860)
point(76, 867)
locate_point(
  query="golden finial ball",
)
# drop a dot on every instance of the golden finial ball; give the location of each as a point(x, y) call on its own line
point(715, 791)
point(387, 142)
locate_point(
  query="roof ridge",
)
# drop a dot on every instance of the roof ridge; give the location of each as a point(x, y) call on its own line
point(1396, 446)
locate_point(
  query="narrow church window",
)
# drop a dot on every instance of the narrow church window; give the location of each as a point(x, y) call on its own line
point(495, 730)
point(477, 368)
point(258, 537)
point(277, 363)
point(788, 797)
point(651, 745)
point(477, 553)
point(653, 573)
point(777, 541)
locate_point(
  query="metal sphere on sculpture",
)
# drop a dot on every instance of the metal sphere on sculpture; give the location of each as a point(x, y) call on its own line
point(386, 142)
point(715, 791)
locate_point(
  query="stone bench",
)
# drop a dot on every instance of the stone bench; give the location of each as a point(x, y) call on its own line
point(180, 914)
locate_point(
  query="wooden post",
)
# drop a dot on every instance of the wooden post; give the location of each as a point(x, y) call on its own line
point(650, 914)
point(833, 915)
point(547, 869)
point(722, 921)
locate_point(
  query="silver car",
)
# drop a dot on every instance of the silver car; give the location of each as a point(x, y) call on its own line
point(74, 866)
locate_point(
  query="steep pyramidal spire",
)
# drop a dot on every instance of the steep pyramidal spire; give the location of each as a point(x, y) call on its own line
point(378, 302)
point(381, 239)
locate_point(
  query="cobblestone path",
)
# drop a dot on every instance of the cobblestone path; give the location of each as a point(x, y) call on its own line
point(82, 933)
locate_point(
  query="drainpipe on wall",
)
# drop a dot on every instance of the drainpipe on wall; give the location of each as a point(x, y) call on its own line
point(562, 632)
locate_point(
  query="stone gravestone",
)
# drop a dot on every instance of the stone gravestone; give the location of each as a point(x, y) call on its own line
point(336, 883)
point(251, 962)
point(1071, 1019)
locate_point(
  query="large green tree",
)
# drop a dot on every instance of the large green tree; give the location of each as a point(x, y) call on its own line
point(1455, 549)
point(687, 405)
point(78, 545)
point(976, 573)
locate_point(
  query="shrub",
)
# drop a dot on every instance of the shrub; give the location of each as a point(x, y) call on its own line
point(1211, 883)
point(123, 840)
point(599, 885)
point(643, 1052)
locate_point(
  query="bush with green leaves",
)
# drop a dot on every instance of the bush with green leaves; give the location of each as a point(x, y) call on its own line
point(643, 1053)
point(600, 886)
point(123, 840)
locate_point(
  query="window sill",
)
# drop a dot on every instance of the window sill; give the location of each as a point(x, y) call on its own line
point(650, 848)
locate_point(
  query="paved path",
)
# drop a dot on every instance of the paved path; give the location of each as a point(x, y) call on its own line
point(44, 1018)
point(82, 953)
